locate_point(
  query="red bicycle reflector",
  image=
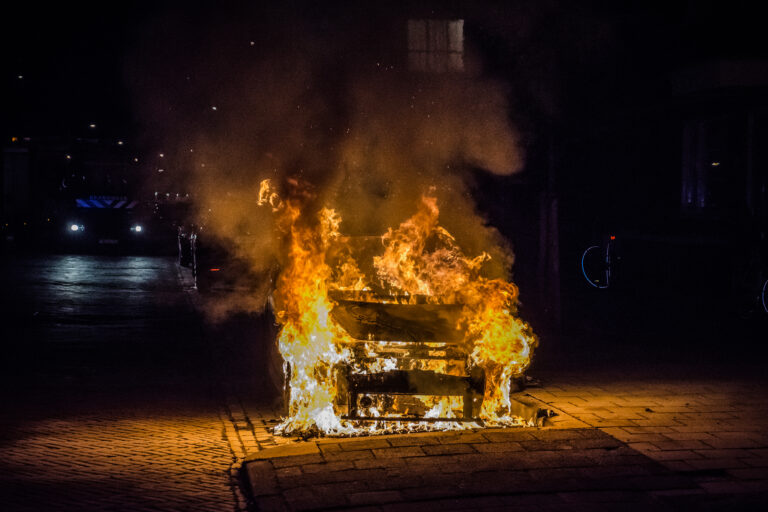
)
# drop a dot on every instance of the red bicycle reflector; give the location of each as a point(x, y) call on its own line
point(613, 237)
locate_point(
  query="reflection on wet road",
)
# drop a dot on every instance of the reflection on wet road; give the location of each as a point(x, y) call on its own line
point(109, 394)
point(76, 315)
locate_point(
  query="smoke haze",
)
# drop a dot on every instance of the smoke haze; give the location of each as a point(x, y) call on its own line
point(328, 103)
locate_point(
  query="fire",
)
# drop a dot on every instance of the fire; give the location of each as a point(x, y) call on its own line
point(341, 317)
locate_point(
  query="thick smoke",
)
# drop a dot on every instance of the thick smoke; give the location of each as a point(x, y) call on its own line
point(328, 104)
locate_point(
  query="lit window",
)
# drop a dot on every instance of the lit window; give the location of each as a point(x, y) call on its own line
point(436, 45)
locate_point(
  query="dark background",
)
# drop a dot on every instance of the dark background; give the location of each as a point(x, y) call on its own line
point(646, 121)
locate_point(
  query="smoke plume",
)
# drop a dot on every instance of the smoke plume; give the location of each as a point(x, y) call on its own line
point(328, 103)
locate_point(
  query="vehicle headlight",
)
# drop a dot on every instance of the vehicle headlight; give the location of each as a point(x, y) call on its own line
point(137, 228)
point(76, 227)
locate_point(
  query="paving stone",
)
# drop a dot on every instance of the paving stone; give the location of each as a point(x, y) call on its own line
point(364, 444)
point(637, 429)
point(555, 435)
point(298, 460)
point(644, 447)
point(272, 504)
point(617, 470)
point(339, 488)
point(502, 436)
point(750, 473)
point(551, 474)
point(327, 466)
point(604, 497)
point(687, 444)
point(374, 497)
point(352, 455)
point(500, 447)
point(351, 475)
point(404, 451)
point(299, 498)
point(673, 455)
point(737, 443)
point(447, 449)
point(120, 458)
point(431, 492)
point(373, 462)
point(724, 454)
point(723, 487)
point(415, 440)
point(494, 482)
point(326, 448)
point(570, 444)
point(622, 435)
point(462, 438)
point(261, 475)
point(288, 473)
point(687, 422)
point(715, 463)
point(677, 465)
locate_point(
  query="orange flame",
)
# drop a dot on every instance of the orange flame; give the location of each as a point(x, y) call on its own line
point(419, 262)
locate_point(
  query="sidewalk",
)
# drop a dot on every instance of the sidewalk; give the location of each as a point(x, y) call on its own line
point(620, 442)
point(650, 438)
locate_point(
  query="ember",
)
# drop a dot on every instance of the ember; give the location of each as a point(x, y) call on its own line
point(400, 332)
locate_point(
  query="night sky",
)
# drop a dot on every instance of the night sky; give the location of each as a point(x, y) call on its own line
point(71, 56)
point(64, 69)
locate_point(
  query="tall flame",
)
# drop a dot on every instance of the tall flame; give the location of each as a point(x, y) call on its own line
point(418, 260)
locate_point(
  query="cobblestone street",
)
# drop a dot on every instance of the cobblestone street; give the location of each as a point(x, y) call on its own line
point(112, 400)
point(168, 459)
point(619, 442)
point(118, 396)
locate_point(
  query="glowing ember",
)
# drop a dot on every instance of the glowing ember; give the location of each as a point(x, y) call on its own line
point(399, 334)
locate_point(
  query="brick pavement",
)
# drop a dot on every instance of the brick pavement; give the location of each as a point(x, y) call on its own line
point(618, 443)
point(473, 470)
point(165, 458)
point(714, 429)
point(111, 396)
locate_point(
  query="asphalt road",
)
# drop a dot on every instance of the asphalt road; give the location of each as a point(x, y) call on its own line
point(111, 394)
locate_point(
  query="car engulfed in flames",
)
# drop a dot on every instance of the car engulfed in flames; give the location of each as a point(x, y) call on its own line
point(392, 333)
